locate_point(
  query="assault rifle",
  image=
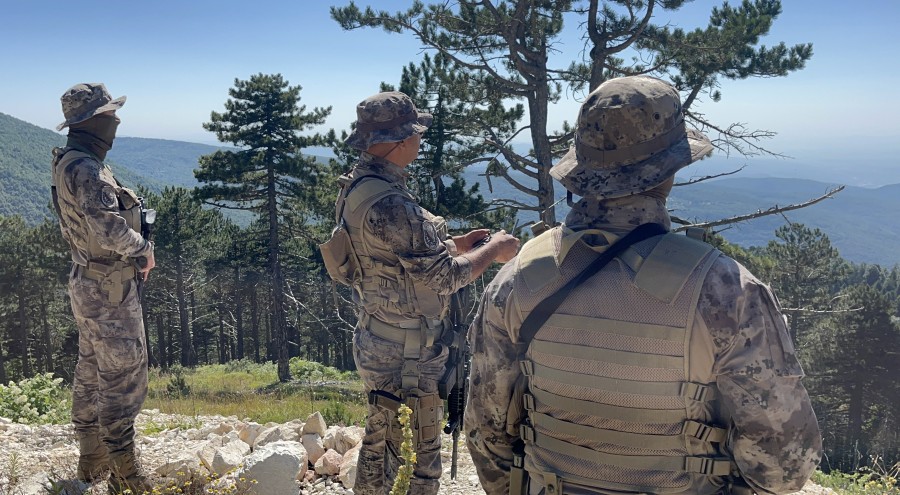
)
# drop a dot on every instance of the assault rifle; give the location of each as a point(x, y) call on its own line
point(453, 386)
point(148, 218)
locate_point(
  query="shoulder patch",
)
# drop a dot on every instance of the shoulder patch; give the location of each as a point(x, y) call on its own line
point(537, 262)
point(108, 197)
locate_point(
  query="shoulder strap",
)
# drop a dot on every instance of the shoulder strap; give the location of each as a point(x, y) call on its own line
point(345, 193)
point(539, 315)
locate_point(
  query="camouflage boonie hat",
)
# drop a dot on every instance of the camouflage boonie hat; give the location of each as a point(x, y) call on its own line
point(630, 138)
point(386, 118)
point(83, 101)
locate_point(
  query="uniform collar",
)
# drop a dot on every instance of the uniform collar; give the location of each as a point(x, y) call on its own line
point(600, 223)
point(379, 166)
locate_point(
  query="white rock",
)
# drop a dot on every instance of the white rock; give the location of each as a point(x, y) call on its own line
point(347, 475)
point(329, 464)
point(223, 428)
point(313, 444)
point(278, 433)
point(229, 456)
point(275, 467)
point(249, 431)
point(349, 437)
point(315, 423)
point(330, 439)
point(178, 461)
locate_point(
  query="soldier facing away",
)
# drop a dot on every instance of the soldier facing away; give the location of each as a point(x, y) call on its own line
point(670, 370)
point(101, 220)
point(402, 268)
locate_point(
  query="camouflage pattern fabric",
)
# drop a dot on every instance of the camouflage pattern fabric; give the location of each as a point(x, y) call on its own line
point(379, 363)
point(111, 374)
point(398, 225)
point(630, 136)
point(90, 188)
point(83, 101)
point(775, 440)
point(386, 117)
point(110, 381)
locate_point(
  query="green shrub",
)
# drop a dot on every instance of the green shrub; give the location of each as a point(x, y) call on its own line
point(37, 400)
point(310, 371)
point(177, 386)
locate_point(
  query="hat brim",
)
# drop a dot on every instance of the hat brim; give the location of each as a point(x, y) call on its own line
point(584, 177)
point(112, 105)
point(362, 141)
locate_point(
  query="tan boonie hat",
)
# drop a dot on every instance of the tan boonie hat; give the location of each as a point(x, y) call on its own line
point(630, 138)
point(387, 117)
point(83, 101)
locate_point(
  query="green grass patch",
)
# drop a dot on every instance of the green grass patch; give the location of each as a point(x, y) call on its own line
point(865, 482)
point(248, 390)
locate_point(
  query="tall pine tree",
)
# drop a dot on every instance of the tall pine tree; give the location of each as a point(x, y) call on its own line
point(263, 118)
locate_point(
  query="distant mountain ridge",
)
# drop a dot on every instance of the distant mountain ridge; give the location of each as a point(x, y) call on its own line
point(25, 154)
point(857, 220)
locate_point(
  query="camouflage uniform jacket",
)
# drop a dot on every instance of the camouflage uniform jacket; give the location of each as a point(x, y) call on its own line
point(775, 439)
point(87, 187)
point(407, 236)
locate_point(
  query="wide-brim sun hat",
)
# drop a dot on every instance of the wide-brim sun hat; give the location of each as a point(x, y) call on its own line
point(85, 100)
point(630, 137)
point(386, 117)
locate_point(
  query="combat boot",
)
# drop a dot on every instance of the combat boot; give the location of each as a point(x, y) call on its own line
point(93, 460)
point(127, 474)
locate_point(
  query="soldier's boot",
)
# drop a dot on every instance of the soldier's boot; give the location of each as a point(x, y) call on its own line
point(93, 459)
point(127, 476)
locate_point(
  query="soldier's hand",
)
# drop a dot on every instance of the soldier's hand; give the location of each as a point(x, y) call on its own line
point(465, 242)
point(151, 263)
point(507, 246)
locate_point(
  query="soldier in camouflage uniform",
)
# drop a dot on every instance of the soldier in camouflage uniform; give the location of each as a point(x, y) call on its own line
point(668, 371)
point(408, 268)
point(100, 219)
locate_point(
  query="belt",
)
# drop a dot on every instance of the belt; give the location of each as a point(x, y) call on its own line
point(396, 332)
point(100, 271)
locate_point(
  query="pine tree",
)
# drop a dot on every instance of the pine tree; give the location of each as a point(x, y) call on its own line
point(264, 120)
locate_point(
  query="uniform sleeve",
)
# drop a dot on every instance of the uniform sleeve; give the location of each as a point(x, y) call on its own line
point(403, 227)
point(98, 201)
point(775, 439)
point(494, 404)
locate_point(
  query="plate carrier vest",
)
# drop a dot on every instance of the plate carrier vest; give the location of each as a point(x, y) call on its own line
point(608, 404)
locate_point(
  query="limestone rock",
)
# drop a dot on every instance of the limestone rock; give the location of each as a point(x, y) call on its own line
point(347, 475)
point(329, 464)
point(313, 444)
point(275, 467)
point(315, 424)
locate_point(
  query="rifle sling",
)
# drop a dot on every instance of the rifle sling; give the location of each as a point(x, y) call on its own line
point(546, 308)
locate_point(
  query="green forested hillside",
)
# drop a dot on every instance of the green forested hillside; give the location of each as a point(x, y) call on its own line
point(25, 152)
point(162, 160)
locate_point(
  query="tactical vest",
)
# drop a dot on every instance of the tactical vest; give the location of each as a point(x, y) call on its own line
point(615, 399)
point(382, 287)
point(86, 251)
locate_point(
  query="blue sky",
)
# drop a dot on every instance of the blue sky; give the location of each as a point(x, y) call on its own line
point(175, 60)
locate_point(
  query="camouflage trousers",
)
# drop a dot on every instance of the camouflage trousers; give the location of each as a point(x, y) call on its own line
point(380, 362)
point(111, 375)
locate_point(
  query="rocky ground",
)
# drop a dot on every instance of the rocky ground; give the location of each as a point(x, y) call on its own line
point(323, 457)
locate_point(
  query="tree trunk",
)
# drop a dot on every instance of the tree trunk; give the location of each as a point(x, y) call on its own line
point(278, 314)
point(537, 114)
point(23, 335)
point(254, 324)
point(855, 414)
point(164, 358)
point(238, 314)
point(187, 345)
point(47, 340)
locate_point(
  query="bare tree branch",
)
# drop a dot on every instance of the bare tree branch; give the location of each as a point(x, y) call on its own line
point(708, 177)
point(762, 213)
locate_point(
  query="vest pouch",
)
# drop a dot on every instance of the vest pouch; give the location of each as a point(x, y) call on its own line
point(339, 257)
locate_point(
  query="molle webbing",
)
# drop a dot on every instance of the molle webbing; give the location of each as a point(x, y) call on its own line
point(629, 416)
